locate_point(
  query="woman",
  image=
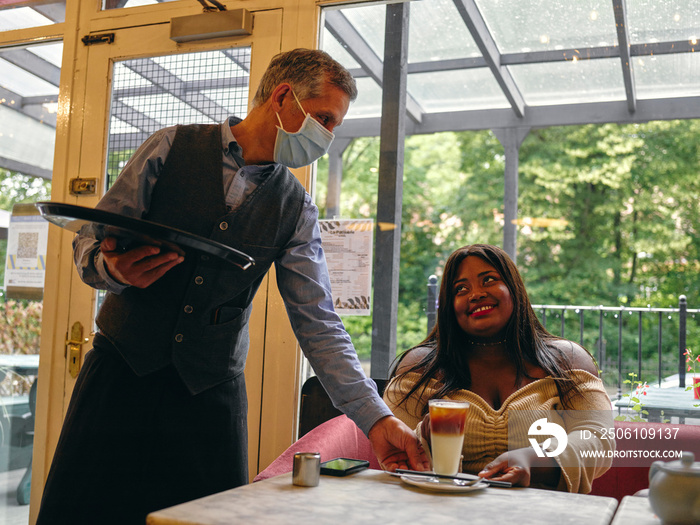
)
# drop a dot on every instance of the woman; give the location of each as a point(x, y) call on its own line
point(488, 348)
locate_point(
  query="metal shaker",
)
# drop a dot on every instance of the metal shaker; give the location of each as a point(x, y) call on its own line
point(307, 469)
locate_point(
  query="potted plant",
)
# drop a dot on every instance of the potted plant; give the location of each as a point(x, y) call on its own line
point(692, 360)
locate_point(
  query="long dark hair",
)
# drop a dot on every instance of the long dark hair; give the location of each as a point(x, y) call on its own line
point(526, 339)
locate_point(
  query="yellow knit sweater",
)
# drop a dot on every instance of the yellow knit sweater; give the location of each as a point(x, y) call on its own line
point(487, 432)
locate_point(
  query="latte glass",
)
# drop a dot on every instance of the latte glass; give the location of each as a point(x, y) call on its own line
point(447, 420)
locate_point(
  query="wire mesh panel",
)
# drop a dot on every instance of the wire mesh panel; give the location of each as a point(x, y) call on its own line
point(155, 92)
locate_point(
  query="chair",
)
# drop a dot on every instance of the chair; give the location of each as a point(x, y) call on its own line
point(336, 438)
point(324, 429)
point(316, 407)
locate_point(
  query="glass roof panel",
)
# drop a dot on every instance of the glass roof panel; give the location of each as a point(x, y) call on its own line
point(21, 144)
point(570, 82)
point(118, 126)
point(22, 18)
point(22, 82)
point(437, 32)
point(655, 21)
point(238, 98)
point(26, 17)
point(456, 90)
point(52, 53)
point(175, 110)
point(126, 78)
point(369, 100)
point(544, 25)
point(664, 76)
point(369, 21)
point(213, 64)
point(119, 4)
point(338, 51)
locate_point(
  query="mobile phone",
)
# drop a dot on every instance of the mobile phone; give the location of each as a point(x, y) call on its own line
point(343, 466)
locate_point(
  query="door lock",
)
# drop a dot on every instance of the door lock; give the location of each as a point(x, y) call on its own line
point(74, 348)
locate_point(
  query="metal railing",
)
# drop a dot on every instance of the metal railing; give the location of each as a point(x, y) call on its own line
point(580, 317)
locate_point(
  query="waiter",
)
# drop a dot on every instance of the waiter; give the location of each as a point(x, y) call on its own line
point(158, 413)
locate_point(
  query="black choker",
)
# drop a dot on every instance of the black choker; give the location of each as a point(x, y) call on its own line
point(494, 343)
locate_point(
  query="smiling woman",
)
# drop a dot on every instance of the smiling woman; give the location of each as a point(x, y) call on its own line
point(489, 349)
point(482, 301)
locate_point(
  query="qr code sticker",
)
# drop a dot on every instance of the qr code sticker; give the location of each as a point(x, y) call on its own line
point(28, 245)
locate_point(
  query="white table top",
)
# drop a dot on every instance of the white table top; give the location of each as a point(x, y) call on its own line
point(635, 510)
point(375, 497)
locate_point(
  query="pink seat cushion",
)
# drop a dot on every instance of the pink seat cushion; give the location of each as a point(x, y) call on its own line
point(336, 438)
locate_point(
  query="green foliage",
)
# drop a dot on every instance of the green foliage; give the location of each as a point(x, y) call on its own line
point(634, 403)
point(20, 331)
point(628, 194)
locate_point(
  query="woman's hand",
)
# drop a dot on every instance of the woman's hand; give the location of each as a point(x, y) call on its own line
point(425, 429)
point(521, 468)
point(139, 267)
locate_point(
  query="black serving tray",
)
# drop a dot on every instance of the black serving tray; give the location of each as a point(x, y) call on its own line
point(131, 232)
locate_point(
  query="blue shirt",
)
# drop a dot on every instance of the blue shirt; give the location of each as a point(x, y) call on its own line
point(302, 274)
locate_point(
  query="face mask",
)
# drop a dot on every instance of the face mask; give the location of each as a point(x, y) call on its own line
point(310, 143)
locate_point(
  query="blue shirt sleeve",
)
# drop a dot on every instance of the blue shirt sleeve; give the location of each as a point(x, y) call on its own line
point(303, 281)
point(130, 195)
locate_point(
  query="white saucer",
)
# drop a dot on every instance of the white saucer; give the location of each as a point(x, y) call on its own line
point(440, 485)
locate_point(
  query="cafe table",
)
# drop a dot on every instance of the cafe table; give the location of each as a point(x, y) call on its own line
point(378, 498)
point(664, 403)
point(635, 510)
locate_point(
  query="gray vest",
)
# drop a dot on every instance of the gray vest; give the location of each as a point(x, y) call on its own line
point(196, 316)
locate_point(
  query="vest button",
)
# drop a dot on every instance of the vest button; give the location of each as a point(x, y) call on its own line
point(223, 225)
point(179, 338)
point(188, 309)
point(199, 279)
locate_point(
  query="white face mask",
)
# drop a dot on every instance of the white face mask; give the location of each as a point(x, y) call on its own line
point(310, 143)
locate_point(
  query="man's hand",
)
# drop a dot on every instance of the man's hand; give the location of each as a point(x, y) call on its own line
point(396, 446)
point(139, 267)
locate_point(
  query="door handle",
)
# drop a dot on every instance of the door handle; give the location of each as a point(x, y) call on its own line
point(74, 347)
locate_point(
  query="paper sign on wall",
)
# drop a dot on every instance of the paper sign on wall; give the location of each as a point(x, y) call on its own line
point(347, 244)
point(25, 265)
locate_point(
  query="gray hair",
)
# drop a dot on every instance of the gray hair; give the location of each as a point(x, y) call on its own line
point(307, 70)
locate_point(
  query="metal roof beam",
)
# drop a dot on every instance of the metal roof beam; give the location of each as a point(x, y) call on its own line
point(537, 117)
point(484, 40)
point(185, 87)
point(135, 119)
point(30, 106)
point(24, 168)
point(235, 57)
point(55, 12)
point(341, 28)
point(623, 40)
point(33, 64)
point(541, 57)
